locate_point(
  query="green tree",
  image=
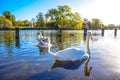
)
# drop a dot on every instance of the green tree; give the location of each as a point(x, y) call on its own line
point(96, 24)
point(26, 22)
point(1, 21)
point(111, 26)
point(20, 23)
point(32, 23)
point(76, 21)
point(5, 23)
point(63, 16)
point(52, 15)
point(40, 20)
point(8, 15)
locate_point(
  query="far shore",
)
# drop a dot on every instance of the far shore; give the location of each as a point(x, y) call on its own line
point(49, 29)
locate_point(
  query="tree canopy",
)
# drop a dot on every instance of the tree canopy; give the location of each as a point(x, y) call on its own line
point(60, 17)
point(9, 16)
point(63, 17)
point(5, 23)
point(96, 24)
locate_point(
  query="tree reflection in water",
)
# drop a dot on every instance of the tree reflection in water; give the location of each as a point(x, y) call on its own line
point(17, 40)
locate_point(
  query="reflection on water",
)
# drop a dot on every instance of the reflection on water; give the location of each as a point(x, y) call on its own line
point(25, 61)
point(17, 42)
point(7, 38)
point(87, 70)
point(71, 65)
point(60, 38)
point(43, 50)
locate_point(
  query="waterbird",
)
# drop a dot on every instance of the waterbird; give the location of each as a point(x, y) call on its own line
point(73, 54)
point(43, 41)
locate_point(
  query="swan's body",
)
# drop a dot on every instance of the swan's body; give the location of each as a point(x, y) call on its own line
point(72, 54)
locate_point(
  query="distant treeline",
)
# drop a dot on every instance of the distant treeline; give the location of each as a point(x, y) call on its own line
point(60, 17)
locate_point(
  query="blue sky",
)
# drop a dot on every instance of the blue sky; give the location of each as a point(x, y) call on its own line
point(106, 10)
point(26, 9)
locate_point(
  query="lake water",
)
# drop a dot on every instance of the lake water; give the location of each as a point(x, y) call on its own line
point(21, 59)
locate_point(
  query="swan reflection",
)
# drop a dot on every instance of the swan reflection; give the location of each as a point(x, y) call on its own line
point(87, 70)
point(71, 65)
point(43, 50)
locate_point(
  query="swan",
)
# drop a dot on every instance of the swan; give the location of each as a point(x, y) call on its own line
point(43, 41)
point(73, 54)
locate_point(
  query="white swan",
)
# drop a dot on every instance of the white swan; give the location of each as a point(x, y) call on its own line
point(72, 54)
point(43, 41)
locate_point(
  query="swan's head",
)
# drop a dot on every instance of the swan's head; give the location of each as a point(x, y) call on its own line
point(42, 33)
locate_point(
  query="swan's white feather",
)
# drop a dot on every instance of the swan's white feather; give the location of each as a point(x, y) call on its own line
point(71, 54)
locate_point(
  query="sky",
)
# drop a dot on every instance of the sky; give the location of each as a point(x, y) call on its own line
point(105, 10)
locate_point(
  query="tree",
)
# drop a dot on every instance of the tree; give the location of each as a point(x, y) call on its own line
point(5, 23)
point(26, 22)
point(40, 20)
point(63, 16)
point(52, 15)
point(111, 26)
point(96, 23)
point(1, 21)
point(76, 21)
point(9, 16)
point(32, 22)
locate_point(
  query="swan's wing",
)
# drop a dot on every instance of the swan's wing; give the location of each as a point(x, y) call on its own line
point(70, 51)
point(70, 54)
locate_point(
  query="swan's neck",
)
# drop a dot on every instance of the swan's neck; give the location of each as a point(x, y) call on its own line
point(53, 54)
point(41, 35)
point(87, 44)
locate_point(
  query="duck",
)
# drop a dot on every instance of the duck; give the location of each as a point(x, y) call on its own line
point(73, 53)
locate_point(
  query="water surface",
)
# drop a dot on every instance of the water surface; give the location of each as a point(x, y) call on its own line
point(21, 59)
